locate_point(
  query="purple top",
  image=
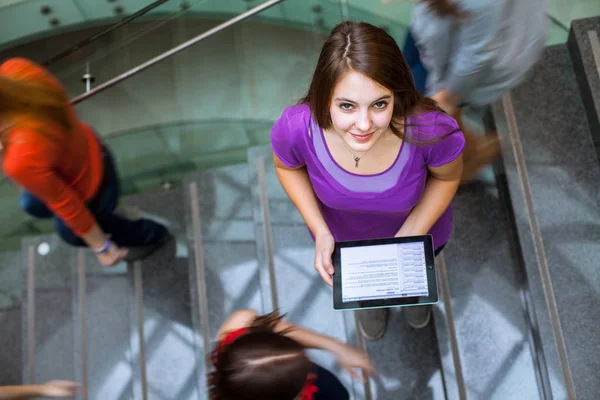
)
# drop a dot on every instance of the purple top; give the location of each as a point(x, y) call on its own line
point(357, 207)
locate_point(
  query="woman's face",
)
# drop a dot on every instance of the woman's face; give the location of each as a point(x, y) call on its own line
point(361, 110)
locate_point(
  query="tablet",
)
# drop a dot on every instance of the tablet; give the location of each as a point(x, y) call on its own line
point(384, 273)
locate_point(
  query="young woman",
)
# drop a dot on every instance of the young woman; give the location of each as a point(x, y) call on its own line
point(472, 52)
point(53, 389)
point(263, 357)
point(365, 156)
point(65, 171)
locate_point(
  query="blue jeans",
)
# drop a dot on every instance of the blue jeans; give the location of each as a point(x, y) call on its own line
point(413, 58)
point(124, 232)
point(330, 387)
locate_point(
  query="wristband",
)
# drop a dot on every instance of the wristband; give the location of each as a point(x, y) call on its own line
point(104, 248)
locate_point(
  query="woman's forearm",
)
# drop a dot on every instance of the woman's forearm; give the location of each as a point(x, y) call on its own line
point(96, 238)
point(310, 339)
point(447, 101)
point(436, 199)
point(297, 185)
point(19, 392)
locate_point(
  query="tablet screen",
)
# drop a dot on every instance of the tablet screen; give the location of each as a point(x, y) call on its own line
point(383, 271)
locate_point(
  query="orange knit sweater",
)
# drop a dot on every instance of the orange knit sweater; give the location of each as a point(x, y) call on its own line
point(63, 169)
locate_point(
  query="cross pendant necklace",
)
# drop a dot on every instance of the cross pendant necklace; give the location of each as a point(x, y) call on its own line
point(357, 158)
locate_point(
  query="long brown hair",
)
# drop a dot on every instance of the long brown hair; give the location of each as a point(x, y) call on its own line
point(31, 100)
point(261, 364)
point(369, 50)
point(445, 8)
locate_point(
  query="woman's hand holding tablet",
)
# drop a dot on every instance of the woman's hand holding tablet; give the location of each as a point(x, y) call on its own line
point(384, 273)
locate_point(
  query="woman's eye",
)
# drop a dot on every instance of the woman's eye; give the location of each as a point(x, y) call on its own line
point(380, 105)
point(346, 106)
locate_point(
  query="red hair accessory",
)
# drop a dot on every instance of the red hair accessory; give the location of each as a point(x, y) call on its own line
point(226, 341)
point(310, 389)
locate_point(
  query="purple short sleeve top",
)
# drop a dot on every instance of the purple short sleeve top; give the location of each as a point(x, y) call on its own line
point(357, 207)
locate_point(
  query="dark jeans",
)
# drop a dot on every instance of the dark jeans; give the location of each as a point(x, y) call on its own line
point(123, 232)
point(330, 387)
point(413, 58)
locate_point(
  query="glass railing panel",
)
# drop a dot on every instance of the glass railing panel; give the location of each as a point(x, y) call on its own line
point(278, 53)
point(564, 12)
point(557, 32)
point(144, 38)
point(40, 18)
point(393, 16)
point(152, 157)
point(35, 18)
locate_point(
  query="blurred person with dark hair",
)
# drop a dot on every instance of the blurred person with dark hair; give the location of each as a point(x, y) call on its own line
point(264, 358)
point(471, 52)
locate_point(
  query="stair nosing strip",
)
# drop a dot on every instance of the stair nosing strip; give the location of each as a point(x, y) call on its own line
point(200, 268)
point(362, 345)
point(538, 244)
point(82, 303)
point(595, 44)
point(266, 229)
point(452, 337)
point(139, 304)
point(31, 342)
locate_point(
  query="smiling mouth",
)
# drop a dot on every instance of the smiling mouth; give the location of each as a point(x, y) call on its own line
point(362, 138)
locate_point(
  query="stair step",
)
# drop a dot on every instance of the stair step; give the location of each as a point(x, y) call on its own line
point(408, 362)
point(485, 282)
point(48, 310)
point(553, 172)
point(222, 249)
point(168, 363)
point(106, 295)
point(11, 319)
point(584, 48)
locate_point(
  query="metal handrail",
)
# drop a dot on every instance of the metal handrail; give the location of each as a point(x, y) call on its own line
point(65, 53)
point(136, 70)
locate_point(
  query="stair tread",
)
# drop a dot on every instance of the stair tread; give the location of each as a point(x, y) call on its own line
point(227, 249)
point(11, 356)
point(584, 62)
point(563, 173)
point(172, 368)
point(485, 283)
point(54, 319)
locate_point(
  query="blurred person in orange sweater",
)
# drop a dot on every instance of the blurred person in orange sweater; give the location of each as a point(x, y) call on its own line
point(65, 171)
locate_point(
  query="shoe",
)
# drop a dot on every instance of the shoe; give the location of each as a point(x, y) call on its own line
point(142, 252)
point(417, 316)
point(372, 323)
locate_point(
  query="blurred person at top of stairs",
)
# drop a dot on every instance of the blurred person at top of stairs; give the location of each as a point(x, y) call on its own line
point(471, 52)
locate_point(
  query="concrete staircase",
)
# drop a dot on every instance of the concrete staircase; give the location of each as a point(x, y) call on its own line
point(518, 280)
point(145, 330)
point(549, 126)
